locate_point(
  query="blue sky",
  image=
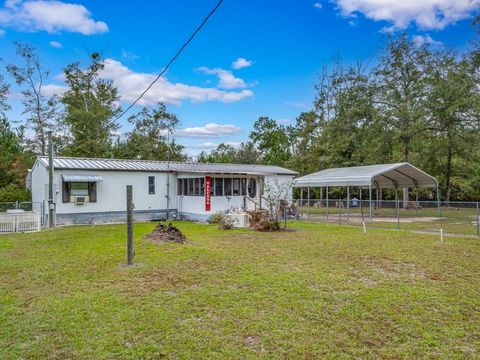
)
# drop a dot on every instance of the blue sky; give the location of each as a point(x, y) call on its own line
point(283, 44)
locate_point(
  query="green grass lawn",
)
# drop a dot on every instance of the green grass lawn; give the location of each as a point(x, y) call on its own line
point(317, 291)
point(462, 221)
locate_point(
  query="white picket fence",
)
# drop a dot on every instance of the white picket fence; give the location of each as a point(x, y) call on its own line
point(18, 221)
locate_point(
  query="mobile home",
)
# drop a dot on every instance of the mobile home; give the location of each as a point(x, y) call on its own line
point(93, 190)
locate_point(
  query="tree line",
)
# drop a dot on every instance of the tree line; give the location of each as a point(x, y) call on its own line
point(414, 104)
point(82, 120)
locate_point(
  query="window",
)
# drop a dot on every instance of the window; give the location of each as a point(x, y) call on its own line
point(71, 189)
point(79, 189)
point(236, 187)
point(185, 187)
point(197, 187)
point(151, 185)
point(228, 186)
point(252, 188)
point(180, 187)
point(244, 186)
point(212, 186)
point(218, 186)
point(202, 186)
point(190, 191)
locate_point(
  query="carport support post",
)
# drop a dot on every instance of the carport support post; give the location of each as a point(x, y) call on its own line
point(370, 201)
point(129, 226)
point(301, 202)
point(308, 201)
point(397, 205)
point(348, 204)
point(326, 198)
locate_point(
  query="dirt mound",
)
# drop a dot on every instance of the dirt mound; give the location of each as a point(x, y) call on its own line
point(167, 233)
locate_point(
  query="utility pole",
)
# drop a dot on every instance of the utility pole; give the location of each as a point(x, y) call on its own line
point(51, 204)
point(130, 251)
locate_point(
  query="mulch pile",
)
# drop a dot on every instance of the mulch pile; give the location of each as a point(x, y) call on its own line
point(167, 233)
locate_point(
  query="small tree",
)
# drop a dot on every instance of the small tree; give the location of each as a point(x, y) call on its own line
point(149, 139)
point(277, 195)
point(41, 110)
point(91, 105)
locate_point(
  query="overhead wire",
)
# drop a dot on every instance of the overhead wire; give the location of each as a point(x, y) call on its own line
point(185, 44)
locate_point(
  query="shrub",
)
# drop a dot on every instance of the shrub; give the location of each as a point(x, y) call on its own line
point(222, 219)
point(267, 225)
point(12, 192)
point(260, 220)
point(226, 223)
point(215, 218)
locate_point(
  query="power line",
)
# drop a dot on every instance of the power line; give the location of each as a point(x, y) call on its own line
point(172, 59)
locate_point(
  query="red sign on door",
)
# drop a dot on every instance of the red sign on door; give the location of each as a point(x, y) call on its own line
point(208, 185)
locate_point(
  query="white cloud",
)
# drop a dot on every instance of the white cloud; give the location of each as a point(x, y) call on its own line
point(241, 63)
point(129, 55)
point(56, 44)
point(283, 121)
point(234, 144)
point(426, 14)
point(210, 145)
point(130, 84)
point(49, 15)
point(226, 79)
point(303, 104)
point(209, 131)
point(318, 5)
point(53, 89)
point(2, 32)
point(202, 146)
point(421, 40)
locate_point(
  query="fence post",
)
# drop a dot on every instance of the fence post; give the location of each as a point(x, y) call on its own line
point(130, 252)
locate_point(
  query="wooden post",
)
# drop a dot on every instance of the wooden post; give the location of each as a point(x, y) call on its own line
point(130, 252)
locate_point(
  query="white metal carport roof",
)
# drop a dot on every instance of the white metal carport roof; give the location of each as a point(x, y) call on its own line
point(400, 175)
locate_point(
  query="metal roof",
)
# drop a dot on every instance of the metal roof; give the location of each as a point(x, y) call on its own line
point(73, 163)
point(383, 176)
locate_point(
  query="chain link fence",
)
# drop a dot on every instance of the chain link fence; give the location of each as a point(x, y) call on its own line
point(453, 217)
point(38, 207)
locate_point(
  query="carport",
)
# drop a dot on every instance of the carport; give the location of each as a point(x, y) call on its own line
point(373, 177)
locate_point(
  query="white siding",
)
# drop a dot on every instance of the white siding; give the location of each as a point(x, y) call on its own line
point(111, 191)
point(39, 182)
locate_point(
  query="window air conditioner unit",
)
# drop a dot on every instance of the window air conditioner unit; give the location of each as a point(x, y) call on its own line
point(79, 200)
